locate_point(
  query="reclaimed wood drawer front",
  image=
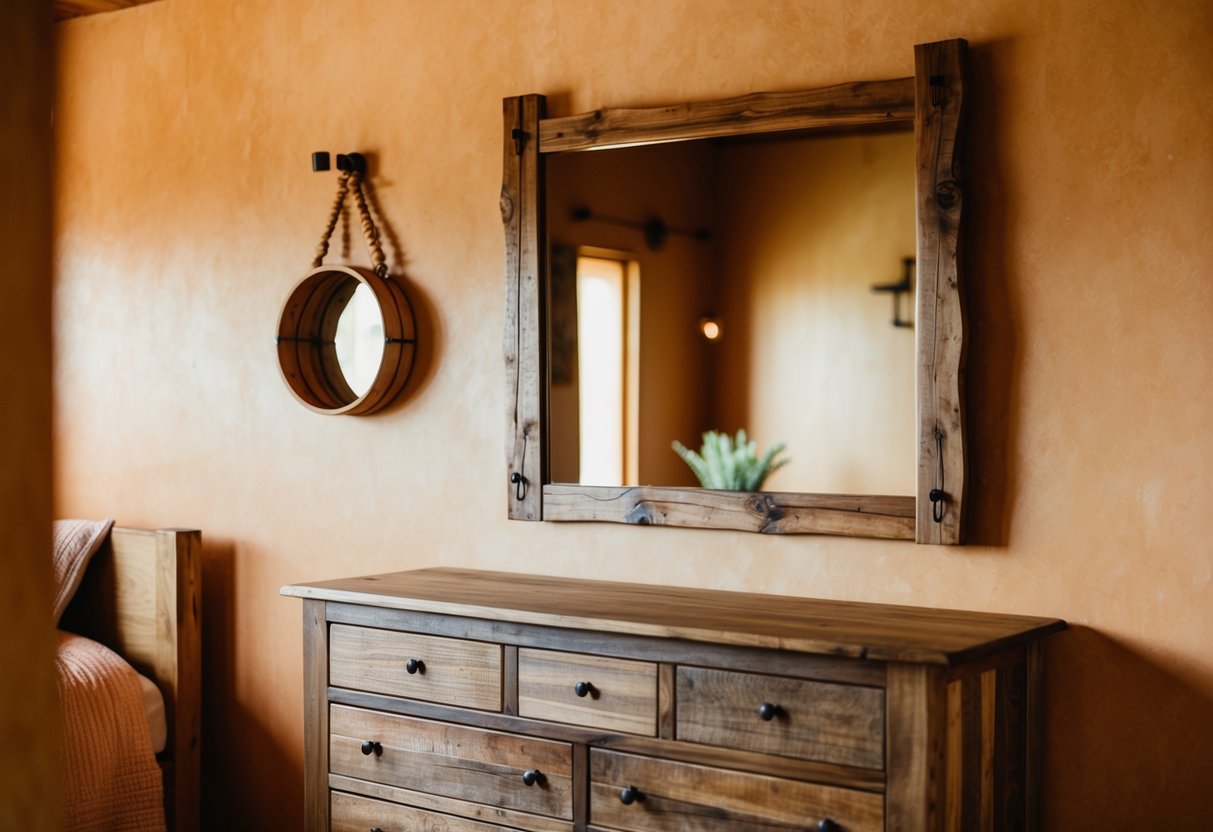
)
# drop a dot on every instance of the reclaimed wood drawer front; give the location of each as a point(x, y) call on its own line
point(832, 723)
point(617, 694)
point(350, 813)
point(449, 671)
point(670, 796)
point(455, 761)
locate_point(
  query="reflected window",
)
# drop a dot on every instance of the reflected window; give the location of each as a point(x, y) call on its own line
point(359, 340)
point(607, 340)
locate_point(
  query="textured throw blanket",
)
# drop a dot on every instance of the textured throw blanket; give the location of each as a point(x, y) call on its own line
point(110, 777)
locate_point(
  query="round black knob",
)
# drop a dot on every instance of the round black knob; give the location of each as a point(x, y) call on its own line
point(370, 747)
point(376, 829)
point(583, 688)
point(413, 665)
point(828, 825)
point(768, 711)
point(630, 795)
point(532, 776)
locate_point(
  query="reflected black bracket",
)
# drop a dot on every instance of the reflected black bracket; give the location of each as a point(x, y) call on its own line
point(901, 287)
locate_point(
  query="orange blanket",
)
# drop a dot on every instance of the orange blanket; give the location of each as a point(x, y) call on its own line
point(111, 780)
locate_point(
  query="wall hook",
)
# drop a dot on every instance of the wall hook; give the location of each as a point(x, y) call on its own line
point(519, 486)
point(351, 162)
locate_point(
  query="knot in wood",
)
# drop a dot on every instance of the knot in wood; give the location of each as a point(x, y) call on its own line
point(507, 206)
point(947, 193)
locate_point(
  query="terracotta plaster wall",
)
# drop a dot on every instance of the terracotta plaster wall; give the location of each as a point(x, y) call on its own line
point(186, 210)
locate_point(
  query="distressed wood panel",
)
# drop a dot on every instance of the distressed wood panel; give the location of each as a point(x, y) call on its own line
point(622, 695)
point(400, 810)
point(452, 671)
point(678, 797)
point(454, 761)
point(525, 338)
point(765, 512)
point(882, 632)
point(841, 105)
point(940, 88)
point(833, 723)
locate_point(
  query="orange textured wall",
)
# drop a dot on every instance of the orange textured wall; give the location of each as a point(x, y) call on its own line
point(185, 211)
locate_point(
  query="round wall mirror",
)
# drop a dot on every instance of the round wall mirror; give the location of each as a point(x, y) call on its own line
point(346, 340)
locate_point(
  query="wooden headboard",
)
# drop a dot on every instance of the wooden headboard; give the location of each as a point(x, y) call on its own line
point(142, 597)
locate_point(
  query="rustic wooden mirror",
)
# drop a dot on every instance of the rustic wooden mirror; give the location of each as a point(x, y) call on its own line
point(930, 102)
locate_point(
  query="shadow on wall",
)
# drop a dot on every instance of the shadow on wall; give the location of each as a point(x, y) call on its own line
point(992, 374)
point(226, 770)
point(1129, 741)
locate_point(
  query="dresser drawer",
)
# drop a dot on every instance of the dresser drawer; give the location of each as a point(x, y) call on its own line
point(832, 723)
point(454, 761)
point(350, 813)
point(450, 671)
point(594, 691)
point(668, 796)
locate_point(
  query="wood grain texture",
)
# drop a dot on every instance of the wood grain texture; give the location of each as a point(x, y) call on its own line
point(452, 671)
point(842, 105)
point(765, 512)
point(525, 337)
point(785, 767)
point(836, 628)
point(826, 668)
point(454, 761)
point(622, 695)
point(352, 813)
point(940, 88)
point(315, 717)
point(142, 597)
point(833, 723)
point(917, 752)
point(678, 797)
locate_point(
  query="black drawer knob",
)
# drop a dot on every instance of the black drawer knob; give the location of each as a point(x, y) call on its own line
point(583, 689)
point(370, 747)
point(828, 825)
point(532, 776)
point(768, 711)
point(414, 665)
point(631, 795)
point(376, 829)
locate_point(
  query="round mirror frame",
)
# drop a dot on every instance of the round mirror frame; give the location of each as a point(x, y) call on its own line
point(307, 350)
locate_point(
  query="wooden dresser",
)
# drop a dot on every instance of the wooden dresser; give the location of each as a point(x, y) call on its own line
point(451, 700)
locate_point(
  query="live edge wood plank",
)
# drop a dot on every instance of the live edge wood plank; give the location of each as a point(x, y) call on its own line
point(766, 512)
point(881, 632)
point(940, 330)
point(841, 105)
point(525, 363)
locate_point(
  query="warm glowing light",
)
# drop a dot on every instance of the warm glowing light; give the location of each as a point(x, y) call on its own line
point(710, 327)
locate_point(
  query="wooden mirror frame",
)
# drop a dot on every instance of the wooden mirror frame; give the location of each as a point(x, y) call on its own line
point(932, 99)
point(307, 349)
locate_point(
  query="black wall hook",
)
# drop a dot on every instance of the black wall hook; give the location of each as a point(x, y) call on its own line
point(351, 162)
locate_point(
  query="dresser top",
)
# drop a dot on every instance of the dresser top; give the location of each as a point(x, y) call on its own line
point(882, 632)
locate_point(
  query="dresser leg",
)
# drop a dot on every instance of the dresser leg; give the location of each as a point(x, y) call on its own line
point(315, 717)
point(916, 724)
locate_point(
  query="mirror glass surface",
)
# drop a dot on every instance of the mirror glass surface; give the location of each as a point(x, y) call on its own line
point(777, 242)
point(360, 339)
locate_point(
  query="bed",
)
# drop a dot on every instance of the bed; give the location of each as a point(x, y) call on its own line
point(139, 594)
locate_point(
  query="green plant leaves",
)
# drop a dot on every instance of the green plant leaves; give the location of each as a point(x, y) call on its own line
point(731, 464)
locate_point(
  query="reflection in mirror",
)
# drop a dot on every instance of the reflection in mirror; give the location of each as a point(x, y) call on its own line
point(799, 230)
point(360, 340)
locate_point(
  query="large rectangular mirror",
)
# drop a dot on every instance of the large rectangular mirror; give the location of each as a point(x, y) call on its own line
point(712, 266)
